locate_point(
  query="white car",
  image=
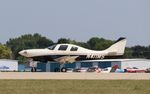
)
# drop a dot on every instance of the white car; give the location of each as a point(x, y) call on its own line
point(106, 70)
point(83, 69)
point(70, 70)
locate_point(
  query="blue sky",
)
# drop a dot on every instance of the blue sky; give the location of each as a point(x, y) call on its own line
point(77, 19)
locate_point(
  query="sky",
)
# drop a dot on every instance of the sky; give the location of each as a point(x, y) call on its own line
point(77, 19)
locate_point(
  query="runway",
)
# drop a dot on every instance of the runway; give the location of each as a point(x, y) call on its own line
point(72, 76)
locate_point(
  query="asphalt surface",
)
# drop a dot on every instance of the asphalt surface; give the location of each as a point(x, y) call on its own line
point(79, 76)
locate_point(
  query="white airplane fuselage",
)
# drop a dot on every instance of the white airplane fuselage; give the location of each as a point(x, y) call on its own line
point(70, 53)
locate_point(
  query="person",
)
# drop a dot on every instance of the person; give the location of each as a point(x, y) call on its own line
point(98, 70)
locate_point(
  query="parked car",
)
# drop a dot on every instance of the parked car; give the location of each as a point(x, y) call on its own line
point(120, 71)
point(147, 70)
point(106, 70)
point(70, 70)
point(91, 69)
point(83, 69)
point(135, 70)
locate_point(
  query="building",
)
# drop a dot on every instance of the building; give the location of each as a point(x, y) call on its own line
point(104, 63)
point(8, 65)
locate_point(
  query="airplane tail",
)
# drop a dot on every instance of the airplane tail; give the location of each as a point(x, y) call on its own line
point(117, 48)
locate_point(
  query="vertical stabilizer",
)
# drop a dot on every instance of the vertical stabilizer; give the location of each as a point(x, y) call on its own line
point(118, 47)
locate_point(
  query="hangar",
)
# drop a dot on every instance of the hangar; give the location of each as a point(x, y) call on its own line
point(104, 63)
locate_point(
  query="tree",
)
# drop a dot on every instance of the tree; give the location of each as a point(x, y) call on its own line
point(30, 41)
point(138, 51)
point(5, 52)
point(128, 53)
point(96, 43)
point(63, 40)
point(148, 52)
point(27, 41)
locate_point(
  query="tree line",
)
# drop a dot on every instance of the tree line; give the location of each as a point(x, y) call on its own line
point(29, 41)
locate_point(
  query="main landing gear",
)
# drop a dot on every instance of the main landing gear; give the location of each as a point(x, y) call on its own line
point(61, 69)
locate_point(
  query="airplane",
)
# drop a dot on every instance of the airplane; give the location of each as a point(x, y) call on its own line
point(68, 53)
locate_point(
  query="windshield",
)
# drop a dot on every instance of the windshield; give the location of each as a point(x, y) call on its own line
point(52, 47)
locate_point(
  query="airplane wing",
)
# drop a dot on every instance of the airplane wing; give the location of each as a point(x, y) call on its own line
point(66, 59)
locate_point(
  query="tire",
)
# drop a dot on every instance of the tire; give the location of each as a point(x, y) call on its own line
point(33, 69)
point(63, 69)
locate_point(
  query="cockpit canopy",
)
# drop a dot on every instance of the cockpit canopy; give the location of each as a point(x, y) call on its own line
point(52, 47)
point(63, 47)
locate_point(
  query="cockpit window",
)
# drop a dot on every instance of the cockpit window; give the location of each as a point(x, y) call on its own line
point(63, 47)
point(74, 48)
point(52, 47)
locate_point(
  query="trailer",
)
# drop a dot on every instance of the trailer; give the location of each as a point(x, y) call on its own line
point(8, 65)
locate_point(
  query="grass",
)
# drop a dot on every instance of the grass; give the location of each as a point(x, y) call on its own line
point(74, 86)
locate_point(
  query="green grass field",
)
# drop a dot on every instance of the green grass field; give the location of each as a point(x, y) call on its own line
point(74, 87)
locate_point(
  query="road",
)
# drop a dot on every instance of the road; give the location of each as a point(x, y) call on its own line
point(79, 76)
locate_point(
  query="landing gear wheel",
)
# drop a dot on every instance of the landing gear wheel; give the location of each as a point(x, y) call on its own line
point(33, 69)
point(63, 69)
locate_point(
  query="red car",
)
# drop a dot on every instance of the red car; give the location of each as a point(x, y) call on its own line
point(135, 70)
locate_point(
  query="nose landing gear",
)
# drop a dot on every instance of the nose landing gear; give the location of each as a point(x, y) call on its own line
point(33, 69)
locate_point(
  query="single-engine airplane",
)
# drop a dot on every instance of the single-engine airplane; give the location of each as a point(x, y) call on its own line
point(67, 53)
